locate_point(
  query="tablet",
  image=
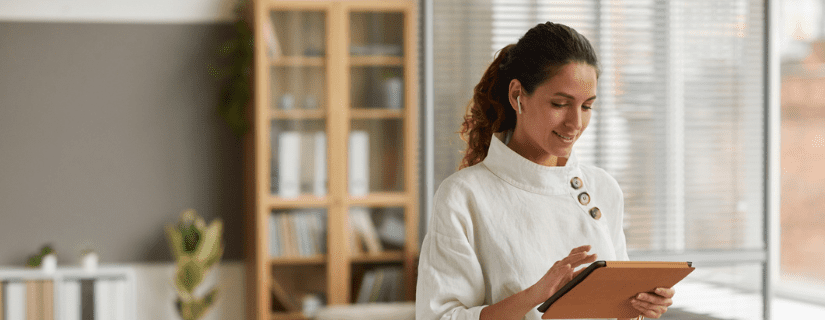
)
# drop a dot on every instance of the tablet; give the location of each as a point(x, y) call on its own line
point(604, 289)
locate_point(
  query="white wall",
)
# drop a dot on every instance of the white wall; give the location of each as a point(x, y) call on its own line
point(118, 11)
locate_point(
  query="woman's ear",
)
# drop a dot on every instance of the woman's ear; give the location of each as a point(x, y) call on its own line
point(513, 94)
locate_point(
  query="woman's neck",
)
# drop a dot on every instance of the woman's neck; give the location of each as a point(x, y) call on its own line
point(533, 154)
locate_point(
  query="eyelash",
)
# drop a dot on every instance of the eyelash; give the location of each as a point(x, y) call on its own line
point(564, 105)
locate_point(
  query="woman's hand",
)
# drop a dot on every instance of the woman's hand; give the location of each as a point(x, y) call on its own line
point(653, 305)
point(519, 304)
point(560, 273)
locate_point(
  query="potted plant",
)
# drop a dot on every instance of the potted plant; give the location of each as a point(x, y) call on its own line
point(197, 248)
point(234, 72)
point(46, 259)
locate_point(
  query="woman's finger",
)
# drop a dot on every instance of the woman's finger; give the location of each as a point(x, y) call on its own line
point(654, 299)
point(583, 248)
point(665, 292)
point(648, 305)
point(649, 309)
point(578, 259)
point(575, 257)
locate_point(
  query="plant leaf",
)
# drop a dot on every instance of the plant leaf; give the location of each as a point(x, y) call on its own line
point(215, 257)
point(175, 240)
point(189, 275)
point(210, 297)
point(197, 309)
point(191, 237)
point(211, 243)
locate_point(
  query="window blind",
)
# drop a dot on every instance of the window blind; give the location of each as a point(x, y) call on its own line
point(679, 121)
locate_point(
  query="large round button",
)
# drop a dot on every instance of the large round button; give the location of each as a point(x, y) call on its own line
point(584, 198)
point(576, 183)
point(596, 213)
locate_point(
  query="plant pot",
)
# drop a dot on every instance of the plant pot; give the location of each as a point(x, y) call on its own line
point(49, 263)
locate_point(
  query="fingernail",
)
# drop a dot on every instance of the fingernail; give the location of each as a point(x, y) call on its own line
point(660, 290)
point(640, 296)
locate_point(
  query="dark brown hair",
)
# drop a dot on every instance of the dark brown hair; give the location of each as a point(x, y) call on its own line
point(534, 59)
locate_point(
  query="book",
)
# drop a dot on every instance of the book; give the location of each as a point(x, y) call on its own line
point(15, 301)
point(283, 296)
point(39, 299)
point(358, 163)
point(360, 219)
point(299, 219)
point(322, 231)
point(604, 289)
point(271, 37)
point(356, 240)
point(70, 302)
point(396, 286)
point(313, 232)
point(274, 235)
point(88, 299)
point(104, 299)
point(319, 186)
point(307, 164)
point(119, 290)
point(375, 291)
point(288, 237)
point(366, 287)
point(48, 299)
point(391, 228)
point(381, 285)
point(34, 292)
point(289, 164)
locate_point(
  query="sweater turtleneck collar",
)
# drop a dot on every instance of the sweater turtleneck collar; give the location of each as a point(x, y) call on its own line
point(528, 175)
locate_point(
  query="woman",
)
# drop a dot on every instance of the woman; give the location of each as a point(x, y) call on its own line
point(510, 227)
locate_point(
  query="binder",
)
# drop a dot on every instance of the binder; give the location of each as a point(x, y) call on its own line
point(289, 164)
point(604, 289)
point(319, 187)
point(70, 301)
point(104, 299)
point(359, 163)
point(14, 301)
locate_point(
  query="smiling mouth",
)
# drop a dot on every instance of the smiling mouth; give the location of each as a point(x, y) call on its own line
point(565, 138)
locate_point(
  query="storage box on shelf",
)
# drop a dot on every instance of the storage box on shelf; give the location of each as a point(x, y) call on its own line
point(333, 157)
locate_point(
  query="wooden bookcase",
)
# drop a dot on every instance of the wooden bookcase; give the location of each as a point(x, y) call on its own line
point(330, 68)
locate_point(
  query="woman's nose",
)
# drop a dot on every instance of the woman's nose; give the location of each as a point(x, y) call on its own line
point(574, 118)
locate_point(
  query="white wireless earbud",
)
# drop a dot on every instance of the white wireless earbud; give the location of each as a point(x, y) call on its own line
point(518, 100)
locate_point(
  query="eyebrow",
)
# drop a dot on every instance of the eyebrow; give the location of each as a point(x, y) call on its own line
point(572, 97)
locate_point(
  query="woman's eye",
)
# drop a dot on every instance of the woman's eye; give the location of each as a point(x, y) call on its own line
point(558, 105)
point(587, 107)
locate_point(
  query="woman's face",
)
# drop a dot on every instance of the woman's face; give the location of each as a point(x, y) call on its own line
point(554, 115)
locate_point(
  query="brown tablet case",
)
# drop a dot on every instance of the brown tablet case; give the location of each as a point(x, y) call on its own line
point(605, 288)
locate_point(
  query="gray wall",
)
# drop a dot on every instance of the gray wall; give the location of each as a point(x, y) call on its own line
point(107, 132)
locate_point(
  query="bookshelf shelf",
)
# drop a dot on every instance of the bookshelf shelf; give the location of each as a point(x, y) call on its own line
point(298, 61)
point(311, 136)
point(377, 114)
point(362, 61)
point(288, 316)
point(288, 261)
point(379, 199)
point(382, 257)
point(303, 201)
point(297, 114)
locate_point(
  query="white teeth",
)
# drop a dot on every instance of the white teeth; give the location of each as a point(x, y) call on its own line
point(563, 137)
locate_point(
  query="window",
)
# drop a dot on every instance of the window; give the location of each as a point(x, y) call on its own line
point(802, 227)
point(679, 123)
